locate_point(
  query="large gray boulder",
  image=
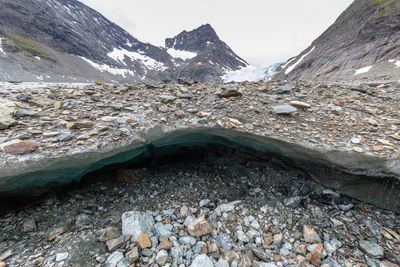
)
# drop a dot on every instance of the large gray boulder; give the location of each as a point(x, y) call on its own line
point(202, 261)
point(136, 223)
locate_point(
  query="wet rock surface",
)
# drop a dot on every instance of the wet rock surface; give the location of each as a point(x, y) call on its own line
point(215, 208)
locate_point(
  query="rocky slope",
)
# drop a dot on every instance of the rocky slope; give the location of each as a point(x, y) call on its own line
point(204, 211)
point(59, 133)
point(200, 180)
point(363, 43)
point(208, 56)
point(64, 40)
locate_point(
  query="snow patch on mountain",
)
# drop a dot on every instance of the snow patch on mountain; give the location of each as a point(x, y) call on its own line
point(363, 70)
point(182, 54)
point(394, 61)
point(292, 67)
point(251, 73)
point(119, 55)
point(1, 48)
point(109, 69)
point(288, 62)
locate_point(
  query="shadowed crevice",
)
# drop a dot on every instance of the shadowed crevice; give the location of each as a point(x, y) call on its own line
point(362, 177)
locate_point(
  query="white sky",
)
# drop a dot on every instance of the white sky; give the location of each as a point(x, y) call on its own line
point(262, 32)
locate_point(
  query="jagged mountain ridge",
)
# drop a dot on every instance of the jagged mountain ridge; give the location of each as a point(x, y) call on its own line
point(211, 56)
point(65, 39)
point(363, 43)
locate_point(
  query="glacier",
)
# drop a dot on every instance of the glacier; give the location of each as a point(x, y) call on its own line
point(251, 73)
point(366, 178)
point(1, 47)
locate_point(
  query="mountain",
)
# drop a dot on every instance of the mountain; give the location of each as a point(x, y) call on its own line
point(201, 55)
point(65, 40)
point(363, 43)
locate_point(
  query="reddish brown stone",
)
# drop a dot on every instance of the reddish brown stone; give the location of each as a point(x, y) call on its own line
point(144, 241)
point(377, 148)
point(316, 255)
point(204, 250)
point(199, 227)
point(19, 147)
point(164, 244)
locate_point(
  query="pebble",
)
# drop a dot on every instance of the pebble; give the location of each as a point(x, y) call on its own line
point(202, 261)
point(133, 255)
point(229, 90)
point(241, 236)
point(332, 245)
point(19, 147)
point(284, 110)
point(299, 104)
point(114, 258)
point(162, 257)
point(222, 263)
point(204, 203)
point(109, 233)
point(268, 265)
point(176, 254)
point(187, 240)
point(371, 248)
point(144, 241)
point(62, 256)
point(65, 137)
point(224, 242)
point(309, 234)
point(19, 113)
point(29, 225)
point(56, 232)
point(164, 244)
point(115, 243)
point(82, 220)
point(283, 89)
point(199, 227)
point(161, 230)
point(227, 207)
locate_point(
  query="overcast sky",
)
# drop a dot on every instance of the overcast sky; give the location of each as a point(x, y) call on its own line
point(262, 32)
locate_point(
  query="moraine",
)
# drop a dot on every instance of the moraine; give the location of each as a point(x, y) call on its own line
point(58, 134)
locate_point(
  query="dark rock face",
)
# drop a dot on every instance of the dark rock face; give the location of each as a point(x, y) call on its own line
point(213, 58)
point(70, 27)
point(65, 40)
point(366, 34)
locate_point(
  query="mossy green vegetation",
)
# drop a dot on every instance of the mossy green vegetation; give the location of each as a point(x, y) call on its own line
point(385, 7)
point(21, 43)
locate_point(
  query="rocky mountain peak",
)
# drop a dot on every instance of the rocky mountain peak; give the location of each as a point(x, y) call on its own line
point(65, 40)
point(195, 40)
point(201, 55)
